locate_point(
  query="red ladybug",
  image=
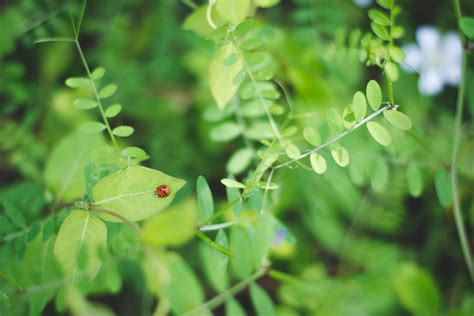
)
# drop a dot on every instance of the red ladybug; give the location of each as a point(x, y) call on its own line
point(162, 191)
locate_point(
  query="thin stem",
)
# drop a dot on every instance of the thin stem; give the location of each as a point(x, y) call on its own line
point(54, 39)
point(390, 89)
point(216, 215)
point(458, 216)
point(224, 296)
point(134, 227)
point(338, 137)
point(80, 19)
point(96, 94)
point(218, 226)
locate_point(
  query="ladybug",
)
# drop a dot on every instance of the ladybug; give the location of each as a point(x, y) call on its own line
point(162, 191)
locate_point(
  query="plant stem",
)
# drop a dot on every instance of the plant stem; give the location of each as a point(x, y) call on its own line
point(96, 94)
point(338, 137)
point(458, 216)
point(224, 296)
point(216, 215)
point(217, 226)
point(134, 227)
point(390, 90)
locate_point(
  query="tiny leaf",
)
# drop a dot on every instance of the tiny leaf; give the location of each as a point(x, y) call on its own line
point(113, 110)
point(359, 106)
point(312, 136)
point(107, 91)
point(230, 183)
point(77, 82)
point(92, 127)
point(318, 163)
point(85, 104)
point(123, 131)
point(379, 133)
point(374, 94)
point(98, 73)
point(398, 119)
point(340, 155)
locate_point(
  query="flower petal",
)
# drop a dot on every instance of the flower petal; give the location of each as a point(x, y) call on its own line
point(430, 82)
point(428, 38)
point(452, 58)
point(413, 58)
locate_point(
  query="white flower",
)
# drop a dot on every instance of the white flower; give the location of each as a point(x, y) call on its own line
point(362, 3)
point(436, 58)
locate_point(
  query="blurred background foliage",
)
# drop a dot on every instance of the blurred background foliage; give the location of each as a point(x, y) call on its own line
point(366, 241)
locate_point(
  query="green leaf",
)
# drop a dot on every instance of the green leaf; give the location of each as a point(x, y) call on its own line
point(261, 301)
point(85, 104)
point(231, 59)
point(392, 71)
point(131, 193)
point(14, 214)
point(397, 32)
point(244, 27)
point(387, 4)
point(466, 24)
point(98, 73)
point(64, 172)
point(318, 163)
point(312, 136)
point(414, 180)
point(113, 110)
point(292, 151)
point(240, 160)
point(380, 31)
point(251, 44)
point(340, 155)
point(215, 262)
point(77, 82)
point(233, 308)
point(172, 227)
point(443, 188)
point(92, 127)
point(225, 132)
point(379, 17)
point(374, 94)
point(334, 119)
point(123, 131)
point(135, 152)
point(231, 183)
point(359, 106)
point(80, 232)
point(197, 22)
point(205, 200)
point(416, 290)
point(379, 133)
point(221, 76)
point(233, 11)
point(107, 91)
point(241, 247)
point(264, 75)
point(266, 3)
point(398, 119)
point(396, 53)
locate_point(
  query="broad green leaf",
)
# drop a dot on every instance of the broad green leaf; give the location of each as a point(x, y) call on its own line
point(172, 227)
point(398, 119)
point(466, 24)
point(113, 110)
point(312, 136)
point(80, 232)
point(334, 119)
point(380, 31)
point(231, 183)
point(225, 132)
point(416, 289)
point(318, 163)
point(233, 308)
point(374, 95)
point(182, 288)
point(292, 151)
point(443, 188)
point(98, 73)
point(14, 214)
point(261, 301)
point(92, 127)
point(359, 106)
point(379, 176)
point(205, 200)
point(131, 193)
point(240, 160)
point(85, 104)
point(233, 11)
point(379, 17)
point(241, 247)
point(77, 82)
point(414, 180)
point(107, 91)
point(64, 172)
point(392, 71)
point(396, 53)
point(379, 133)
point(215, 263)
point(221, 76)
point(123, 131)
point(340, 155)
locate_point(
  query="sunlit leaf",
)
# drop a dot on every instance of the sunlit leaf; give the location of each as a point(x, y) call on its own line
point(396, 53)
point(292, 151)
point(113, 110)
point(205, 200)
point(392, 71)
point(312, 136)
point(80, 232)
point(131, 193)
point(240, 160)
point(77, 82)
point(123, 131)
point(215, 263)
point(92, 127)
point(398, 119)
point(374, 95)
point(359, 106)
point(231, 183)
point(318, 163)
point(379, 17)
point(85, 104)
point(108, 91)
point(379, 133)
point(380, 31)
point(233, 11)
point(340, 155)
point(334, 120)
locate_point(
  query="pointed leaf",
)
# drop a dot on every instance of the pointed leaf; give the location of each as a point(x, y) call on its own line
point(215, 262)
point(131, 193)
point(261, 301)
point(231, 183)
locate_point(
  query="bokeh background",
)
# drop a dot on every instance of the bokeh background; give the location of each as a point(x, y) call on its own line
point(361, 240)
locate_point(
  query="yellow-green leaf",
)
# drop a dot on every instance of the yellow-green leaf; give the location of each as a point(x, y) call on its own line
point(359, 106)
point(374, 94)
point(318, 163)
point(233, 11)
point(398, 119)
point(107, 91)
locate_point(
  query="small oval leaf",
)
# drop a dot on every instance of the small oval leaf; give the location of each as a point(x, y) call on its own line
point(340, 155)
point(312, 136)
point(379, 133)
point(123, 131)
point(107, 91)
point(374, 94)
point(92, 127)
point(230, 183)
point(98, 73)
point(113, 110)
point(292, 151)
point(77, 82)
point(398, 119)
point(318, 163)
point(85, 104)
point(359, 106)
